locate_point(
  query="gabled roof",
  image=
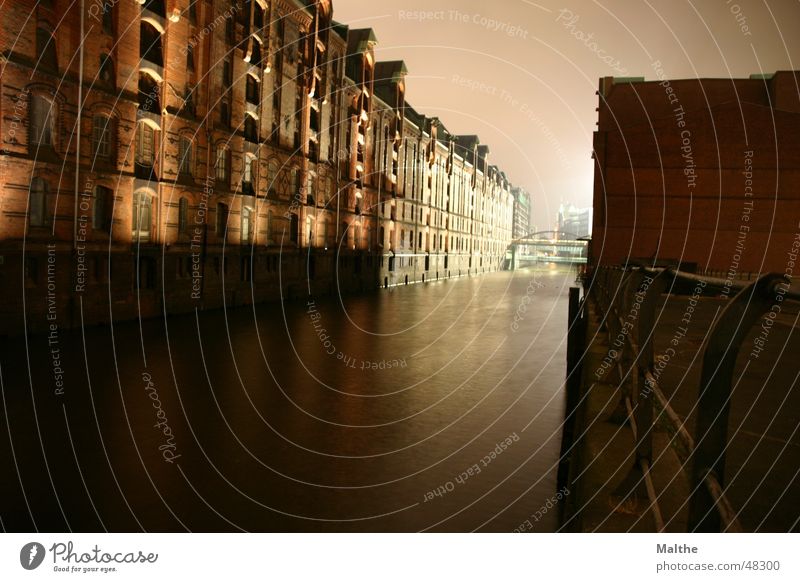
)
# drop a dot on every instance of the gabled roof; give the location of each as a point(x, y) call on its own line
point(390, 71)
point(340, 29)
point(359, 39)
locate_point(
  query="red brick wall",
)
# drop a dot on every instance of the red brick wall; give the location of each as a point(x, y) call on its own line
point(647, 207)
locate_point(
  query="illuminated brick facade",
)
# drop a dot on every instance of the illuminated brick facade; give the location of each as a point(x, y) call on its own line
point(227, 152)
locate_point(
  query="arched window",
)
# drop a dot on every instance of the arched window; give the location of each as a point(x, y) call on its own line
point(247, 224)
point(103, 208)
point(37, 203)
point(183, 215)
point(46, 49)
point(249, 174)
point(150, 44)
point(41, 121)
point(250, 129)
point(269, 227)
point(149, 94)
point(185, 156)
point(142, 217)
point(255, 57)
point(221, 165)
point(102, 126)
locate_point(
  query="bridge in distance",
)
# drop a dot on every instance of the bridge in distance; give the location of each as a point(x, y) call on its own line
point(547, 246)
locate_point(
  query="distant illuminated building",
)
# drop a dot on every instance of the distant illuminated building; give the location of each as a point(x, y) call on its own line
point(522, 212)
point(574, 220)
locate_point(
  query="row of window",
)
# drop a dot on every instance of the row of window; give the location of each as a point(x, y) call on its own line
point(103, 211)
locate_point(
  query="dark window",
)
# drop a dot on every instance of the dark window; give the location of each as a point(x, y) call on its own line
point(156, 6)
point(46, 49)
point(222, 219)
point(106, 72)
point(183, 215)
point(252, 93)
point(150, 44)
point(108, 18)
point(227, 77)
point(146, 273)
point(294, 229)
point(103, 207)
point(258, 17)
point(188, 100)
point(190, 58)
point(230, 30)
point(37, 203)
point(193, 11)
point(250, 129)
point(255, 57)
point(224, 113)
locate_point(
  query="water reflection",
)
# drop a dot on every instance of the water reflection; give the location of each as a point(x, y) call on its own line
point(341, 415)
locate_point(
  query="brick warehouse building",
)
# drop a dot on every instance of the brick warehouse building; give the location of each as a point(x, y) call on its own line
point(705, 172)
point(227, 152)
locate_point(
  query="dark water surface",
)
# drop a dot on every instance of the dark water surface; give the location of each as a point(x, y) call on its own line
point(233, 420)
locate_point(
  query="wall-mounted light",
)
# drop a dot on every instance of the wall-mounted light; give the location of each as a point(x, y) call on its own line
point(175, 16)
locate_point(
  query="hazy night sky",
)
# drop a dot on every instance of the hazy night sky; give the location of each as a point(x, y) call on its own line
point(528, 87)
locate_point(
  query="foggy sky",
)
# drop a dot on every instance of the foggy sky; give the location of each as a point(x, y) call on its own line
point(523, 74)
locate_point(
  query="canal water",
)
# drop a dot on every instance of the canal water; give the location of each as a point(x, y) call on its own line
point(433, 407)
